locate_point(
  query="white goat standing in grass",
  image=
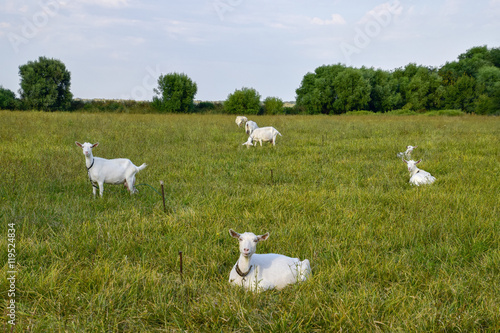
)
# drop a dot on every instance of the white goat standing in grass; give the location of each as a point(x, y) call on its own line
point(115, 171)
point(407, 153)
point(240, 120)
point(259, 272)
point(417, 176)
point(266, 134)
point(250, 126)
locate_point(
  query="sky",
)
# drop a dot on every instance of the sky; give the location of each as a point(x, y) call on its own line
point(117, 49)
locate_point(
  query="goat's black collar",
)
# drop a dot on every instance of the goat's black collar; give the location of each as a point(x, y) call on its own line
point(91, 165)
point(240, 273)
point(88, 173)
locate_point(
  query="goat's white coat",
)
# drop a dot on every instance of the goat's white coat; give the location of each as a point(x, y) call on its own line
point(265, 271)
point(115, 171)
point(418, 176)
point(240, 120)
point(262, 134)
point(250, 126)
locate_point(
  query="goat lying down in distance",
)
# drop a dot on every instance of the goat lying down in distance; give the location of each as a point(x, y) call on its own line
point(418, 176)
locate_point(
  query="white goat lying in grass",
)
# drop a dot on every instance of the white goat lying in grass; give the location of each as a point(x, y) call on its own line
point(266, 134)
point(417, 176)
point(115, 171)
point(258, 272)
point(407, 153)
point(250, 126)
point(240, 120)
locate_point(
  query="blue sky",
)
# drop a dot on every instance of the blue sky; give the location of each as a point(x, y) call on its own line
point(117, 49)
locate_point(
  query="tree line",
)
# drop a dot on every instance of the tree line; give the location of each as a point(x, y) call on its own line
point(471, 84)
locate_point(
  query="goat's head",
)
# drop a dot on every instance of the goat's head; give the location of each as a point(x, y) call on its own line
point(249, 142)
point(248, 241)
point(409, 149)
point(411, 164)
point(87, 147)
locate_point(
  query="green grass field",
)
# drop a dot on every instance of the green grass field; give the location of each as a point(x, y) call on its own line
point(385, 256)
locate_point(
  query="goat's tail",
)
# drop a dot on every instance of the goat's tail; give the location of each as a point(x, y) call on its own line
point(139, 168)
point(279, 133)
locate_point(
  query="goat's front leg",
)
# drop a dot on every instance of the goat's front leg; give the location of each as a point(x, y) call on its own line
point(101, 188)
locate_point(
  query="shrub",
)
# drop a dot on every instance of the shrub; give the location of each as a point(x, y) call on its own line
point(359, 113)
point(445, 113)
point(244, 101)
point(273, 105)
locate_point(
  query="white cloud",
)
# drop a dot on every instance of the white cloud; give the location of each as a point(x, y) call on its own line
point(337, 19)
point(106, 3)
point(385, 11)
point(451, 7)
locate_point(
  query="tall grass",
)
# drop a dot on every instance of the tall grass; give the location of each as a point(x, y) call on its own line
point(385, 256)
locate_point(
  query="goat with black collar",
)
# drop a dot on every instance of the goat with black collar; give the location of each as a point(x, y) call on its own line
point(258, 272)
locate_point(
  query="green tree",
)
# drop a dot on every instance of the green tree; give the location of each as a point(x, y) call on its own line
point(273, 105)
point(424, 92)
point(175, 93)
point(488, 88)
point(45, 85)
point(8, 99)
point(352, 91)
point(243, 101)
point(462, 94)
point(308, 96)
point(383, 96)
point(317, 92)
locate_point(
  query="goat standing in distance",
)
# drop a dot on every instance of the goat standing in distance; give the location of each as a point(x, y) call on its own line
point(417, 176)
point(250, 126)
point(259, 272)
point(115, 171)
point(240, 120)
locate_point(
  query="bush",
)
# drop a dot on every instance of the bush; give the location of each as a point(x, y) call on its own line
point(8, 100)
point(359, 113)
point(273, 105)
point(113, 106)
point(175, 93)
point(244, 101)
point(445, 113)
point(209, 107)
point(401, 112)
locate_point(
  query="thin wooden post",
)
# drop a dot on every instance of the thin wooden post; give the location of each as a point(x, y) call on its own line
point(163, 196)
point(180, 261)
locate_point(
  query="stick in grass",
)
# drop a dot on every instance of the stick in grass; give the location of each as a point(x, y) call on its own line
point(163, 196)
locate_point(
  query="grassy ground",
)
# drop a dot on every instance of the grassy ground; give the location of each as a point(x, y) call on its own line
point(386, 256)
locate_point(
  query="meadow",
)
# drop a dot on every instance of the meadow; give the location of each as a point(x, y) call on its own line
point(385, 256)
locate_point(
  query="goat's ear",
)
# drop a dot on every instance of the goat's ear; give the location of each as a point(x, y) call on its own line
point(418, 161)
point(263, 237)
point(78, 144)
point(234, 234)
point(95, 145)
point(405, 161)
